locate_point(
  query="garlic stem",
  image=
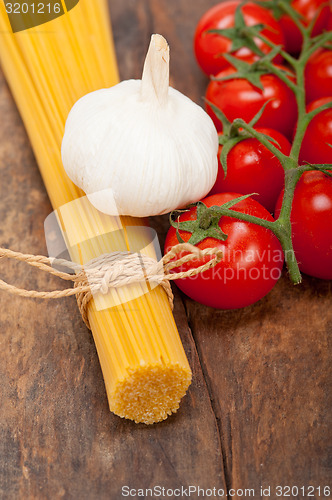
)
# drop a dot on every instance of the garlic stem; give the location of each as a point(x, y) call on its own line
point(155, 78)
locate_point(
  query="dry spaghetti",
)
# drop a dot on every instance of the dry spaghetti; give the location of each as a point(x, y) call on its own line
point(145, 368)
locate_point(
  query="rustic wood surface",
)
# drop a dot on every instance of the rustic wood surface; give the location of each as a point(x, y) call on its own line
point(257, 412)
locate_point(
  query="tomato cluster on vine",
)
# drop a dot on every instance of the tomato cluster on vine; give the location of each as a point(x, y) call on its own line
point(270, 68)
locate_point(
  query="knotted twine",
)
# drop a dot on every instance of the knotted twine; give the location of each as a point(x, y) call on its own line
point(111, 270)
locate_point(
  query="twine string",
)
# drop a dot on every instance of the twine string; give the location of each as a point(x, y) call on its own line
point(112, 270)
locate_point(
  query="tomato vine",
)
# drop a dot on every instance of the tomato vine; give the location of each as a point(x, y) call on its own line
point(239, 129)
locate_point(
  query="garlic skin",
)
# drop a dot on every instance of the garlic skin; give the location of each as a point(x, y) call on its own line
point(141, 147)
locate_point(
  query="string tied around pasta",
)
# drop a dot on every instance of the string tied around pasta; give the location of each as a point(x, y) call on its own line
point(112, 270)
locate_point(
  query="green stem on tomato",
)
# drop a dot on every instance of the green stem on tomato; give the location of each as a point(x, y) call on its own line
point(322, 39)
point(321, 167)
point(284, 236)
point(283, 223)
point(281, 228)
point(205, 220)
point(316, 111)
point(281, 75)
point(248, 218)
point(308, 48)
point(290, 59)
point(302, 120)
point(239, 123)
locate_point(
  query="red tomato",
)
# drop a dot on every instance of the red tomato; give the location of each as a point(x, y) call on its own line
point(308, 10)
point(238, 98)
point(318, 135)
point(329, 22)
point(252, 168)
point(209, 47)
point(252, 261)
point(318, 75)
point(311, 224)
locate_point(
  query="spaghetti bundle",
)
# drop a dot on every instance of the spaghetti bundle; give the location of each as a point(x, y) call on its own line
point(48, 69)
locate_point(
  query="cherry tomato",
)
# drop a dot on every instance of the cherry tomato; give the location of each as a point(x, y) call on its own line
point(318, 75)
point(209, 47)
point(252, 261)
point(238, 98)
point(329, 22)
point(315, 145)
point(311, 219)
point(308, 9)
point(252, 168)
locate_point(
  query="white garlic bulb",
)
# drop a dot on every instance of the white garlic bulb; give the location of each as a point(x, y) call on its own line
point(141, 147)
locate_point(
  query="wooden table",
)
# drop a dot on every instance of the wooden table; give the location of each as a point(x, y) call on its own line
point(257, 412)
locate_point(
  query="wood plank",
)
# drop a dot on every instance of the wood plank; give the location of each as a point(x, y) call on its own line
point(268, 368)
point(57, 436)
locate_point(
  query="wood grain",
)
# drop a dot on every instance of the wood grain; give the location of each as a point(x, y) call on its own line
point(257, 412)
point(268, 372)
